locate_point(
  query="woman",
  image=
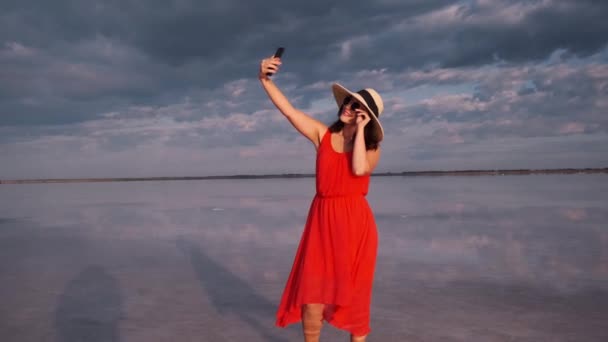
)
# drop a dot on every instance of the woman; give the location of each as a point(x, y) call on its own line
point(332, 274)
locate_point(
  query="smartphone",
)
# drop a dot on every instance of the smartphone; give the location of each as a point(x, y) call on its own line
point(277, 54)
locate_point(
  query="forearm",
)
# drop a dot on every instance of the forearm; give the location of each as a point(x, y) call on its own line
point(360, 163)
point(276, 96)
point(308, 126)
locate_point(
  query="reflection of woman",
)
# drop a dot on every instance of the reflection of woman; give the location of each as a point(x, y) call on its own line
point(332, 274)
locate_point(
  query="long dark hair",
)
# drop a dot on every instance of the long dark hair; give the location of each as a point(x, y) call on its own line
point(372, 141)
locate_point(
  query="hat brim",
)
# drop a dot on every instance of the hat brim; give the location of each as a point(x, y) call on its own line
point(340, 93)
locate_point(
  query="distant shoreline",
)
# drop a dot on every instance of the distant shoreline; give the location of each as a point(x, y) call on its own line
point(305, 175)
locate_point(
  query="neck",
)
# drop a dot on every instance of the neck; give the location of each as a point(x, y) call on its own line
point(348, 132)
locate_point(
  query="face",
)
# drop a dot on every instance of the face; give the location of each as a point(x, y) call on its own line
point(348, 110)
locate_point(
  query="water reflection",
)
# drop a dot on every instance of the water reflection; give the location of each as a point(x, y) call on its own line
point(90, 308)
point(521, 258)
point(231, 294)
point(528, 244)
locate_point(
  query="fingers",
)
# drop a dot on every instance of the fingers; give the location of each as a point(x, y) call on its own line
point(272, 60)
point(362, 117)
point(270, 65)
point(362, 114)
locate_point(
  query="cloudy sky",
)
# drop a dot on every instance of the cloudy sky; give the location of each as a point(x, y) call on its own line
point(169, 88)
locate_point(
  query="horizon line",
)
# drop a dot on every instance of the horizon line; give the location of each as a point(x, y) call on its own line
point(472, 172)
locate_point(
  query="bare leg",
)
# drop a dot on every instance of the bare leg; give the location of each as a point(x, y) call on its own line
point(312, 321)
point(357, 338)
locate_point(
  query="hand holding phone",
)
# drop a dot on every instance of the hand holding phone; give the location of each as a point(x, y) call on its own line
point(277, 54)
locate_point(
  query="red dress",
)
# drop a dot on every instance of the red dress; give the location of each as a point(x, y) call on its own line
point(336, 257)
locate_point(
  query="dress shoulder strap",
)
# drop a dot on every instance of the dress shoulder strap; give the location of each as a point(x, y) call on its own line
point(326, 135)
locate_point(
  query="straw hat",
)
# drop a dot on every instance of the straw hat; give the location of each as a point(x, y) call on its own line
point(367, 97)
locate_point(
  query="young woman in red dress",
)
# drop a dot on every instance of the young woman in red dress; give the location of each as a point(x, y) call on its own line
point(333, 269)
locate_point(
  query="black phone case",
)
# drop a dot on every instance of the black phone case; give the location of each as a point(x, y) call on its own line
point(277, 54)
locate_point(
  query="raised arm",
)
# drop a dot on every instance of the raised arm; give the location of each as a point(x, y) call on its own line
point(303, 123)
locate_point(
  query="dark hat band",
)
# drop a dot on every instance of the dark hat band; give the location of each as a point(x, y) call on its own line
point(369, 100)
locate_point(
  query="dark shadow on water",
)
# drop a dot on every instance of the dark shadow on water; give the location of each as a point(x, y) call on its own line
point(230, 294)
point(90, 308)
point(7, 220)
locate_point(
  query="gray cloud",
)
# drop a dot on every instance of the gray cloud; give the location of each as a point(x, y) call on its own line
point(476, 33)
point(141, 53)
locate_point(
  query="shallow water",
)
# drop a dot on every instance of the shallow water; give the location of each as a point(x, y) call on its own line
point(497, 258)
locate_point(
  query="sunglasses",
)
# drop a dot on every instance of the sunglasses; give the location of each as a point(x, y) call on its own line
point(354, 105)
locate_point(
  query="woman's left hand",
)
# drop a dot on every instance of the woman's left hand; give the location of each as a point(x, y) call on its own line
point(362, 118)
